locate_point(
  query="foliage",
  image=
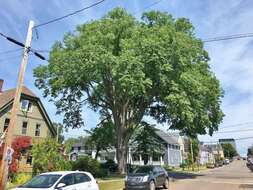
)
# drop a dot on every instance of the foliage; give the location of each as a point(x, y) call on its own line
point(47, 156)
point(21, 178)
point(68, 143)
point(110, 165)
point(195, 150)
point(20, 146)
point(146, 142)
point(126, 69)
point(86, 163)
point(103, 137)
point(229, 150)
point(250, 151)
point(59, 128)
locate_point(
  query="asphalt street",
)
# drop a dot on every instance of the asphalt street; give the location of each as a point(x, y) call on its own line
point(230, 177)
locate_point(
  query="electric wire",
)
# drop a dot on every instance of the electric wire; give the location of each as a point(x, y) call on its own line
point(68, 15)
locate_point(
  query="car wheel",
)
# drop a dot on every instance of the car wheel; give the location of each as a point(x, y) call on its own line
point(166, 184)
point(152, 185)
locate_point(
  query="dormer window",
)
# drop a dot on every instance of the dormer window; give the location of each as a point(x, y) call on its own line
point(26, 105)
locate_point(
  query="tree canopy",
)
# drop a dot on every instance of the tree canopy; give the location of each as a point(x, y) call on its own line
point(147, 143)
point(47, 156)
point(127, 69)
point(229, 150)
point(102, 137)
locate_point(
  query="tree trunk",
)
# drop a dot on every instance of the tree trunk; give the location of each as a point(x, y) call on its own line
point(97, 152)
point(121, 156)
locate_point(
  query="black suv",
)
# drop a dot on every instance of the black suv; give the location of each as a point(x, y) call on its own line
point(147, 177)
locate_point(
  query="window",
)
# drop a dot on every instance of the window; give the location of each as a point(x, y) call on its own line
point(37, 130)
point(29, 160)
point(156, 157)
point(81, 178)
point(136, 157)
point(26, 105)
point(24, 128)
point(6, 123)
point(68, 180)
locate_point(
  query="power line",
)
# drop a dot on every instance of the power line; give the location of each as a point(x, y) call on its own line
point(10, 58)
point(12, 40)
point(229, 37)
point(233, 131)
point(236, 139)
point(11, 51)
point(238, 124)
point(147, 7)
point(70, 14)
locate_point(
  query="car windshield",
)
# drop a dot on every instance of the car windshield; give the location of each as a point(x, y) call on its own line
point(145, 169)
point(42, 181)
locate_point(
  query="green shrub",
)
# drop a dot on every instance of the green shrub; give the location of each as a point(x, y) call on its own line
point(168, 168)
point(21, 178)
point(110, 165)
point(86, 163)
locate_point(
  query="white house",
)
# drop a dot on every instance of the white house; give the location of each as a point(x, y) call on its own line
point(172, 152)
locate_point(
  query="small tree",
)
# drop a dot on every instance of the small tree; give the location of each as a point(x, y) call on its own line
point(250, 151)
point(103, 137)
point(195, 150)
point(59, 128)
point(229, 150)
point(146, 142)
point(47, 156)
point(20, 146)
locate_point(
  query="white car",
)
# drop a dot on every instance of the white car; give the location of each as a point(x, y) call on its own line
point(69, 180)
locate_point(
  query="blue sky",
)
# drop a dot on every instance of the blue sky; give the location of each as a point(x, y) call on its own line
point(230, 60)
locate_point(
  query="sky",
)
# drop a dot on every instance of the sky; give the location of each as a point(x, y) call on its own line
point(231, 61)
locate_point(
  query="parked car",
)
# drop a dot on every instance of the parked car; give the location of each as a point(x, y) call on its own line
point(61, 180)
point(147, 177)
point(210, 165)
point(226, 161)
point(219, 163)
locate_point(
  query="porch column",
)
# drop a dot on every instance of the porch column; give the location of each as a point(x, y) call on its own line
point(140, 157)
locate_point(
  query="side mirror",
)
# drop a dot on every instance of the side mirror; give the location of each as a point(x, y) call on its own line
point(60, 185)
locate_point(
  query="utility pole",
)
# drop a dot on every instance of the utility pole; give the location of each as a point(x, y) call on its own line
point(192, 157)
point(4, 168)
point(57, 135)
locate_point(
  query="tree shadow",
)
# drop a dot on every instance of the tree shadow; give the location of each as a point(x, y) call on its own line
point(183, 175)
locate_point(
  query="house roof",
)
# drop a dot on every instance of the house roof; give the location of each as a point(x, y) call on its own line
point(168, 138)
point(7, 97)
point(80, 144)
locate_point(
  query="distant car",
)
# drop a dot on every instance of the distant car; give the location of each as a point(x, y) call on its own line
point(219, 163)
point(61, 181)
point(147, 177)
point(210, 165)
point(226, 161)
point(244, 158)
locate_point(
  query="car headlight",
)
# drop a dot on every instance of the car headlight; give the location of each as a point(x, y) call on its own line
point(145, 178)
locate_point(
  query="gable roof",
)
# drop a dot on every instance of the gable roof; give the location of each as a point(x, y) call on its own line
point(7, 97)
point(168, 138)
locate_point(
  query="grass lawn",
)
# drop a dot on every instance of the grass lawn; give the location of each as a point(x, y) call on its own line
point(111, 185)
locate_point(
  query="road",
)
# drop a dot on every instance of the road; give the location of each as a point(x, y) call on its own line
point(230, 177)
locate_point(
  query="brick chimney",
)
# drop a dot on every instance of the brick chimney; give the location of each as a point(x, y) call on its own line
point(1, 85)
